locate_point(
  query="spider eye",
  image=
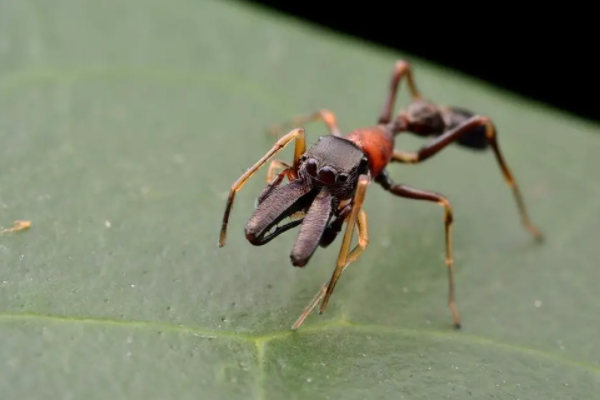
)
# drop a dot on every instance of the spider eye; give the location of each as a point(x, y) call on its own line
point(327, 175)
point(342, 178)
point(311, 167)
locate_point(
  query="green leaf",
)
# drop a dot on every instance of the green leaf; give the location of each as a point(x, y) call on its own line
point(124, 124)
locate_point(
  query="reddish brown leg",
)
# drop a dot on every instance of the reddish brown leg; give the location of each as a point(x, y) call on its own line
point(411, 193)
point(452, 135)
point(273, 179)
point(326, 116)
point(286, 170)
point(401, 70)
point(296, 135)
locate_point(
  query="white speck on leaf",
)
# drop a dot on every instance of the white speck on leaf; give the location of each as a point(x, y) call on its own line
point(537, 303)
point(107, 223)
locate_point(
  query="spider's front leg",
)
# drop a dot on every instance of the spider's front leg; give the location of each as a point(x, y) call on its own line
point(296, 135)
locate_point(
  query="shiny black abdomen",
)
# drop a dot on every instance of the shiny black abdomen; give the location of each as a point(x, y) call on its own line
point(476, 139)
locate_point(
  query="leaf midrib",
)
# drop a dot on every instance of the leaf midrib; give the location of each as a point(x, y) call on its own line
point(260, 340)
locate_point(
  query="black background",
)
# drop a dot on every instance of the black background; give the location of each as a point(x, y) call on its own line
point(547, 53)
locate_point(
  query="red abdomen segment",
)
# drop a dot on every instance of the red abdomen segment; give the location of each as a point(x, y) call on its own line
point(377, 143)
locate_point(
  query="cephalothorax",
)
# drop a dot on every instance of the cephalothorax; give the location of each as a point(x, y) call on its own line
point(327, 182)
point(327, 178)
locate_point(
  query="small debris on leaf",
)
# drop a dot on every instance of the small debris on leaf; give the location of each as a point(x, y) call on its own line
point(18, 225)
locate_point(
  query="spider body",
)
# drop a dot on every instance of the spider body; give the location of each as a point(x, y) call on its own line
point(327, 183)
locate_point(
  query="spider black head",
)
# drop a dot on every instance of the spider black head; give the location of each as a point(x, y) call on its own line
point(327, 174)
point(334, 164)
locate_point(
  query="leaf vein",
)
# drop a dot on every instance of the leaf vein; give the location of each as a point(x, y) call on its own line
point(260, 340)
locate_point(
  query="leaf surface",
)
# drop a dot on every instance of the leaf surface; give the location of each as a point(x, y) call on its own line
point(123, 126)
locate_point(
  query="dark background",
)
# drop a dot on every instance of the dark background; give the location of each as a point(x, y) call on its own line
point(547, 53)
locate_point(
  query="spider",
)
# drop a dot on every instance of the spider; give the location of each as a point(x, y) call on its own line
point(328, 181)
